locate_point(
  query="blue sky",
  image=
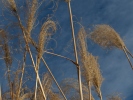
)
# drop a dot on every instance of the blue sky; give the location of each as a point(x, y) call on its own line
point(117, 73)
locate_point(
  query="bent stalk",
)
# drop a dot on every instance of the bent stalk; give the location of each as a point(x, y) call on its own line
point(75, 50)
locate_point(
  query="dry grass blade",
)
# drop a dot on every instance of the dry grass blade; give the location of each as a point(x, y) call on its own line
point(106, 36)
point(46, 30)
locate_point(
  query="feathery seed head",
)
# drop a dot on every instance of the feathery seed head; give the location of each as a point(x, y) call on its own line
point(106, 36)
point(47, 28)
point(31, 16)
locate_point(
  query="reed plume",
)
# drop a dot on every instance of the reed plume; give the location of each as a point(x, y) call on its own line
point(107, 37)
point(91, 71)
point(31, 17)
point(46, 30)
point(97, 76)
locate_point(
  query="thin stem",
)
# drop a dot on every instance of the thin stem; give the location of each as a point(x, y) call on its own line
point(89, 90)
point(127, 58)
point(36, 84)
point(0, 93)
point(61, 57)
point(101, 98)
point(128, 52)
point(37, 76)
point(21, 79)
point(75, 51)
point(36, 89)
point(54, 78)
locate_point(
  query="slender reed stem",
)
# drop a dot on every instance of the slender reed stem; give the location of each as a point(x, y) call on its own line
point(0, 93)
point(21, 79)
point(101, 98)
point(75, 51)
point(26, 41)
point(128, 52)
point(62, 57)
point(54, 78)
point(89, 90)
point(36, 84)
point(127, 58)
point(36, 89)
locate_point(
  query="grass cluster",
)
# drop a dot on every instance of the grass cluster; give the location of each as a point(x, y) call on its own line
point(32, 49)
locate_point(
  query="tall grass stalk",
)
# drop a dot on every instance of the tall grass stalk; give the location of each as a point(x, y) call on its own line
point(75, 50)
point(54, 78)
point(0, 93)
point(28, 48)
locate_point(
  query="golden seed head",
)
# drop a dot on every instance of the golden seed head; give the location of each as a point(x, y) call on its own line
point(106, 36)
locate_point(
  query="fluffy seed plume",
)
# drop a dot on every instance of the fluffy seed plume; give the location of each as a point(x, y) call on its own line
point(47, 28)
point(91, 71)
point(31, 17)
point(107, 37)
point(97, 76)
point(82, 47)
